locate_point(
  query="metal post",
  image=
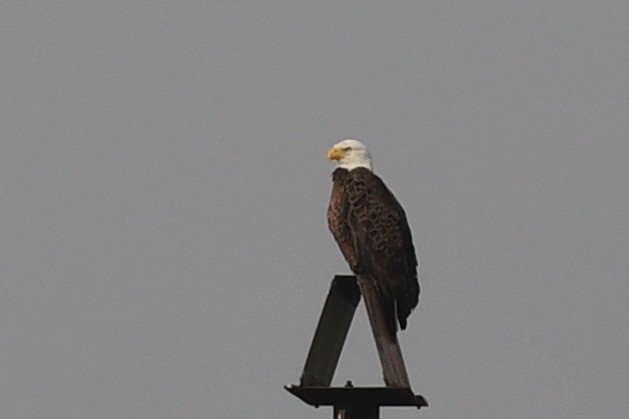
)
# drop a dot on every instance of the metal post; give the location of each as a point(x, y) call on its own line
point(331, 332)
point(389, 351)
point(351, 402)
point(357, 412)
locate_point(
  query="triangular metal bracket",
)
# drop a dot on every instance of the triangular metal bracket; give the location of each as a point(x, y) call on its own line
point(329, 338)
point(327, 344)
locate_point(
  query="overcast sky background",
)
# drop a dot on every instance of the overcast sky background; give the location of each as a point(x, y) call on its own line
point(163, 188)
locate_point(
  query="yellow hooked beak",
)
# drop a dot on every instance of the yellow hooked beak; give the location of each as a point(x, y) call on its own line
point(336, 154)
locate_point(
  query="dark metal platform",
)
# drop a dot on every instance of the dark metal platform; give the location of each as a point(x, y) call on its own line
point(351, 402)
point(339, 396)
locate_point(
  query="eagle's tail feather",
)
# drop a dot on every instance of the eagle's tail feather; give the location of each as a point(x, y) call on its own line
point(406, 297)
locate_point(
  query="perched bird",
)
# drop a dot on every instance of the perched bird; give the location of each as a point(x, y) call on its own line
point(371, 230)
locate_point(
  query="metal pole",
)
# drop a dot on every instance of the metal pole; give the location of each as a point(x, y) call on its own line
point(331, 332)
point(357, 412)
point(351, 402)
point(389, 351)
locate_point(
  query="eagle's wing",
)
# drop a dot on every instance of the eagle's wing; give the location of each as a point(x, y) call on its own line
point(384, 243)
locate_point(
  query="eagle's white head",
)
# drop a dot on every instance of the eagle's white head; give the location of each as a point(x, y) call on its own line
point(350, 154)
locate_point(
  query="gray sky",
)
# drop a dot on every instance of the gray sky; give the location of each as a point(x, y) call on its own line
point(163, 188)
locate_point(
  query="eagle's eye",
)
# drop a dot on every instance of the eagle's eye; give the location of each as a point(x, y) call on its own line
point(347, 149)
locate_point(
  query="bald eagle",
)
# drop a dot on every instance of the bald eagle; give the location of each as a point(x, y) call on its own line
point(371, 230)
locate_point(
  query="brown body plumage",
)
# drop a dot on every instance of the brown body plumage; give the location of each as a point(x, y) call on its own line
point(372, 232)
